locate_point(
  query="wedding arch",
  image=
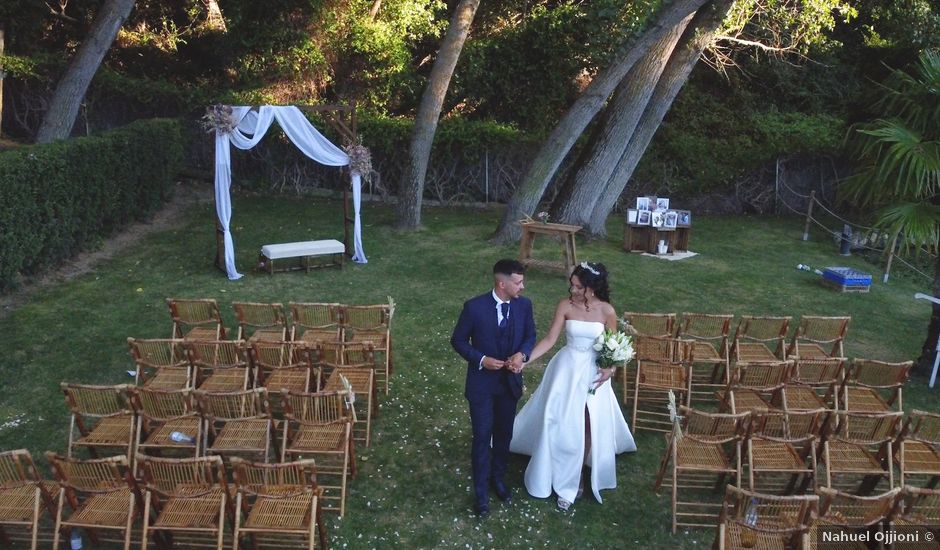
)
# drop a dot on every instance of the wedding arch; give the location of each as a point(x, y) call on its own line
point(244, 127)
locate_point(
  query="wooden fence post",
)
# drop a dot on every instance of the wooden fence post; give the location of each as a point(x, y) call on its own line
point(809, 215)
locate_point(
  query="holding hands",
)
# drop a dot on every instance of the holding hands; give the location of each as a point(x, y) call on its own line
point(514, 363)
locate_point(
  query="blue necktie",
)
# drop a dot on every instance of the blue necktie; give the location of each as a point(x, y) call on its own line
point(504, 307)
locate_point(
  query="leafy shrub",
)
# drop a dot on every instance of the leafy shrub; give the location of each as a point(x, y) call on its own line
point(57, 199)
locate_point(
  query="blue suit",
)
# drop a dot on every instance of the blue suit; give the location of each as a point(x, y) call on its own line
point(493, 395)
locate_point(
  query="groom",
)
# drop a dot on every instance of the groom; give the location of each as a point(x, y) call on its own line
point(495, 334)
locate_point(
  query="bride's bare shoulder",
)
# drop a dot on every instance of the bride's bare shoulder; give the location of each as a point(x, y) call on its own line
point(608, 309)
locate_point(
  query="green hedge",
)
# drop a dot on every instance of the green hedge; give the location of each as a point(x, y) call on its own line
point(57, 199)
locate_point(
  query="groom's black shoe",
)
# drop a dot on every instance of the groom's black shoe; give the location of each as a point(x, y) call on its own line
point(502, 491)
point(482, 509)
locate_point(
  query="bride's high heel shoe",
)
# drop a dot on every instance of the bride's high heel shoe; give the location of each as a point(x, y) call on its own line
point(563, 504)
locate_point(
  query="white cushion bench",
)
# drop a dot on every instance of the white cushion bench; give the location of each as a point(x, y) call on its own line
point(304, 250)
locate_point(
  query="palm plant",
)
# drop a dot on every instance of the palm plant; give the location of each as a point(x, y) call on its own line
point(899, 167)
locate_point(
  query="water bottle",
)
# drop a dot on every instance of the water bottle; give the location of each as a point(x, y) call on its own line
point(75, 540)
point(180, 437)
point(750, 518)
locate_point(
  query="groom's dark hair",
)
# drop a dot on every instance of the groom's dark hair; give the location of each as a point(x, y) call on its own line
point(508, 268)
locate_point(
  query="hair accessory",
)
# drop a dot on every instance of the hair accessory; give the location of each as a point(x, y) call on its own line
point(588, 267)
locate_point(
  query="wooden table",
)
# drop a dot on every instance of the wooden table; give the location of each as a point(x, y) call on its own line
point(565, 234)
point(645, 238)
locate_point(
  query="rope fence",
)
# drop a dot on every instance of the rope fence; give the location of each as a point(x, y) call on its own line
point(871, 236)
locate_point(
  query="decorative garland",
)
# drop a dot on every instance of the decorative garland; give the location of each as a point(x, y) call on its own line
point(218, 118)
point(360, 159)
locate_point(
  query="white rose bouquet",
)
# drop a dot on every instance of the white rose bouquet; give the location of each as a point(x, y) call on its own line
point(614, 349)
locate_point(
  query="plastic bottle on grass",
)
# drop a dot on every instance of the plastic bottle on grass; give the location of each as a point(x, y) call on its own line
point(75, 540)
point(180, 437)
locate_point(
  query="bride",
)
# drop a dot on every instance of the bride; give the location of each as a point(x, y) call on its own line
point(564, 425)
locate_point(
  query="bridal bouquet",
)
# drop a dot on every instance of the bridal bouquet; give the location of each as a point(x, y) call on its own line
point(614, 349)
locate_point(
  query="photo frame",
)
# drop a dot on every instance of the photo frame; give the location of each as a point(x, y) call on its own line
point(643, 217)
point(656, 218)
point(631, 216)
point(684, 218)
point(643, 203)
point(662, 203)
point(670, 219)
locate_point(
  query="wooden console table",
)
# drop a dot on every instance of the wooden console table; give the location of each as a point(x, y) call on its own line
point(645, 238)
point(565, 234)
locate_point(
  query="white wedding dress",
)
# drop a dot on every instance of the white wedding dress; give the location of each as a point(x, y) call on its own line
point(550, 427)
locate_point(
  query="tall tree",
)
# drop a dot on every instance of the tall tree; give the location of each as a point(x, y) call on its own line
point(70, 91)
point(698, 35)
point(411, 190)
point(579, 192)
point(899, 173)
point(582, 112)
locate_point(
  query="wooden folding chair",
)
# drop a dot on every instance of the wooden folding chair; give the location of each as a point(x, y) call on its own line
point(656, 377)
point(25, 500)
point(258, 321)
point(783, 445)
point(373, 325)
point(186, 500)
point(102, 496)
point(163, 413)
point(358, 366)
point(814, 384)
point(659, 325)
point(320, 425)
point(237, 423)
point(756, 386)
point(161, 364)
point(102, 415)
point(918, 453)
point(861, 444)
point(220, 366)
point(196, 319)
point(709, 336)
point(763, 522)
point(845, 513)
point(874, 386)
point(287, 365)
point(315, 322)
point(278, 505)
point(819, 337)
point(703, 454)
point(915, 511)
point(760, 339)
point(658, 349)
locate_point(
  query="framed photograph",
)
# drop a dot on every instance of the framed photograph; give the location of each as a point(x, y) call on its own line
point(631, 216)
point(684, 218)
point(643, 217)
point(670, 219)
point(656, 218)
point(643, 203)
point(662, 203)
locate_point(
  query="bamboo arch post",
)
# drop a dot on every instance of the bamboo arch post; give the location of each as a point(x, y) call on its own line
point(809, 215)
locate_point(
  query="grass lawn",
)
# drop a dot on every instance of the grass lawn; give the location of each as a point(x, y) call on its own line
point(414, 485)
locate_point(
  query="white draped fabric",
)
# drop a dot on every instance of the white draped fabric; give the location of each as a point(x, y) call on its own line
point(251, 127)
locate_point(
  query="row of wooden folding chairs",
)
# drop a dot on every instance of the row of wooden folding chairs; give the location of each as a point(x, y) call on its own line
point(227, 366)
point(140, 421)
point(669, 364)
point(756, 338)
point(311, 322)
point(856, 450)
point(829, 519)
point(163, 502)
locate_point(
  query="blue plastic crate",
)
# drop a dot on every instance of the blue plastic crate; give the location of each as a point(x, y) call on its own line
point(847, 276)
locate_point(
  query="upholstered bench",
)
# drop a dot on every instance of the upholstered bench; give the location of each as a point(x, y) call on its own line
point(332, 249)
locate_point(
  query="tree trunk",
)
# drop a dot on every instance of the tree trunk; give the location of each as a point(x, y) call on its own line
point(576, 119)
point(69, 93)
point(374, 11)
point(411, 190)
point(2, 29)
point(929, 350)
point(575, 202)
point(685, 56)
point(214, 19)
